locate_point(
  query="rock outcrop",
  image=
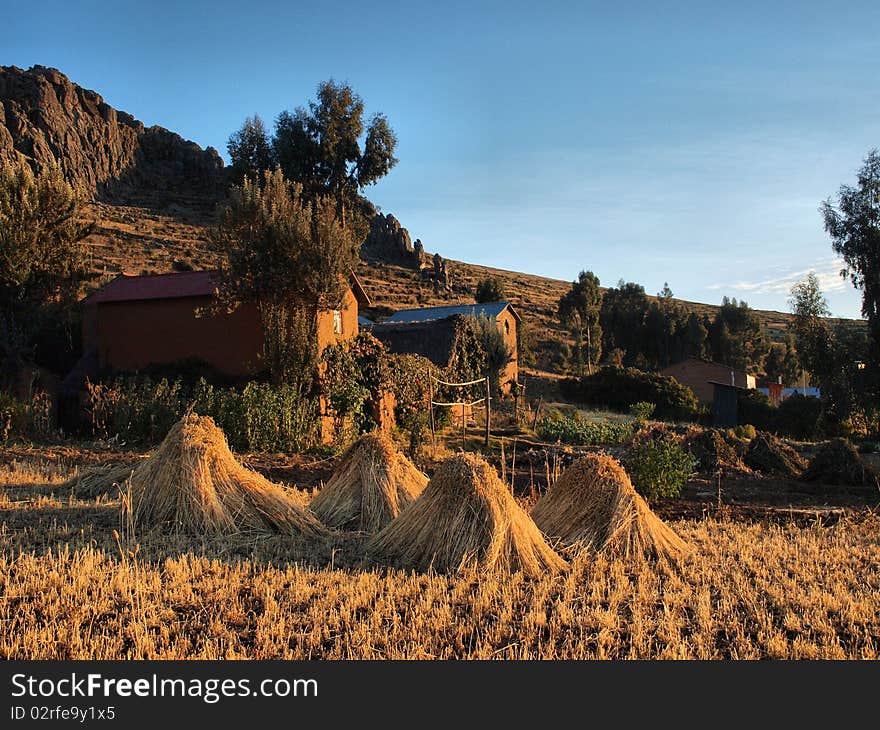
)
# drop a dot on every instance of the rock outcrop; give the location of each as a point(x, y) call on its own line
point(108, 154)
point(389, 241)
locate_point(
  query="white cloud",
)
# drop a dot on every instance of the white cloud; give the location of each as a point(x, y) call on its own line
point(828, 273)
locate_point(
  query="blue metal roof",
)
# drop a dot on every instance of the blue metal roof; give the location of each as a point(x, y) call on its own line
point(364, 321)
point(489, 309)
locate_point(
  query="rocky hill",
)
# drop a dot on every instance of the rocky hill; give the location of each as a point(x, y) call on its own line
point(154, 192)
point(107, 153)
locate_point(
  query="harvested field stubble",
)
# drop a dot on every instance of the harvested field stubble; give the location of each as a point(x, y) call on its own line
point(747, 591)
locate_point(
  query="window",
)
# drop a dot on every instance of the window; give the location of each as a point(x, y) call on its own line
point(507, 326)
point(337, 322)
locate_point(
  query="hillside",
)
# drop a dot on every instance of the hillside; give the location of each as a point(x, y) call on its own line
point(106, 153)
point(154, 194)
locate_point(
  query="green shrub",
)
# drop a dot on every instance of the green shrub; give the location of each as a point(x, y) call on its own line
point(409, 381)
point(582, 432)
point(620, 388)
point(642, 410)
point(798, 417)
point(659, 468)
point(745, 432)
point(257, 417)
point(756, 409)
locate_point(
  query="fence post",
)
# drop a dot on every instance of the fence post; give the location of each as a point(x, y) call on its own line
point(488, 410)
point(463, 434)
point(431, 409)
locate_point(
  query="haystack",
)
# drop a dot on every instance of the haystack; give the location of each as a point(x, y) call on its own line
point(370, 487)
point(98, 481)
point(594, 504)
point(771, 455)
point(466, 517)
point(713, 451)
point(193, 484)
point(837, 462)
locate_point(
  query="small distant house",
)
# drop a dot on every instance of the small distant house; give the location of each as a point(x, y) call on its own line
point(701, 376)
point(430, 332)
point(725, 405)
point(136, 321)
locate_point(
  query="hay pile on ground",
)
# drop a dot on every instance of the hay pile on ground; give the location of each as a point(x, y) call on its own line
point(465, 517)
point(194, 485)
point(837, 462)
point(594, 504)
point(370, 487)
point(771, 455)
point(712, 450)
point(98, 481)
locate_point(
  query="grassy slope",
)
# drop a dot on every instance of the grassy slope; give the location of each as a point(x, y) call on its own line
point(139, 240)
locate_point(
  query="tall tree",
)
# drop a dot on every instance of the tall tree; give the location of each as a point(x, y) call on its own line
point(695, 336)
point(42, 261)
point(622, 317)
point(782, 363)
point(329, 150)
point(853, 222)
point(250, 151)
point(291, 257)
point(579, 310)
point(813, 335)
point(738, 338)
point(833, 355)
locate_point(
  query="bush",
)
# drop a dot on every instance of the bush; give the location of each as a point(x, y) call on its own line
point(582, 432)
point(621, 388)
point(756, 409)
point(659, 468)
point(642, 410)
point(409, 382)
point(258, 417)
point(798, 417)
point(745, 432)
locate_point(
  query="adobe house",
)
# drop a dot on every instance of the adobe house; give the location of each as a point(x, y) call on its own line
point(430, 332)
point(701, 375)
point(136, 321)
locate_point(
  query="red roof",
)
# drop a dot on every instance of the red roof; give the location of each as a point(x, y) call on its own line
point(128, 287)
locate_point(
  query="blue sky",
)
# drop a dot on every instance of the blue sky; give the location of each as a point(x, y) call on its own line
point(652, 142)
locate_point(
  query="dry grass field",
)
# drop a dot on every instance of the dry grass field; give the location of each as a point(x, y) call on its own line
point(750, 589)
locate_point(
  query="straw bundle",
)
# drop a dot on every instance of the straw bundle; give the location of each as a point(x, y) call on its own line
point(466, 517)
point(370, 487)
point(593, 504)
point(194, 484)
point(97, 481)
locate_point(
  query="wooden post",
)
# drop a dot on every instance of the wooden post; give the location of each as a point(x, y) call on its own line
point(431, 409)
point(462, 428)
point(488, 410)
point(514, 389)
